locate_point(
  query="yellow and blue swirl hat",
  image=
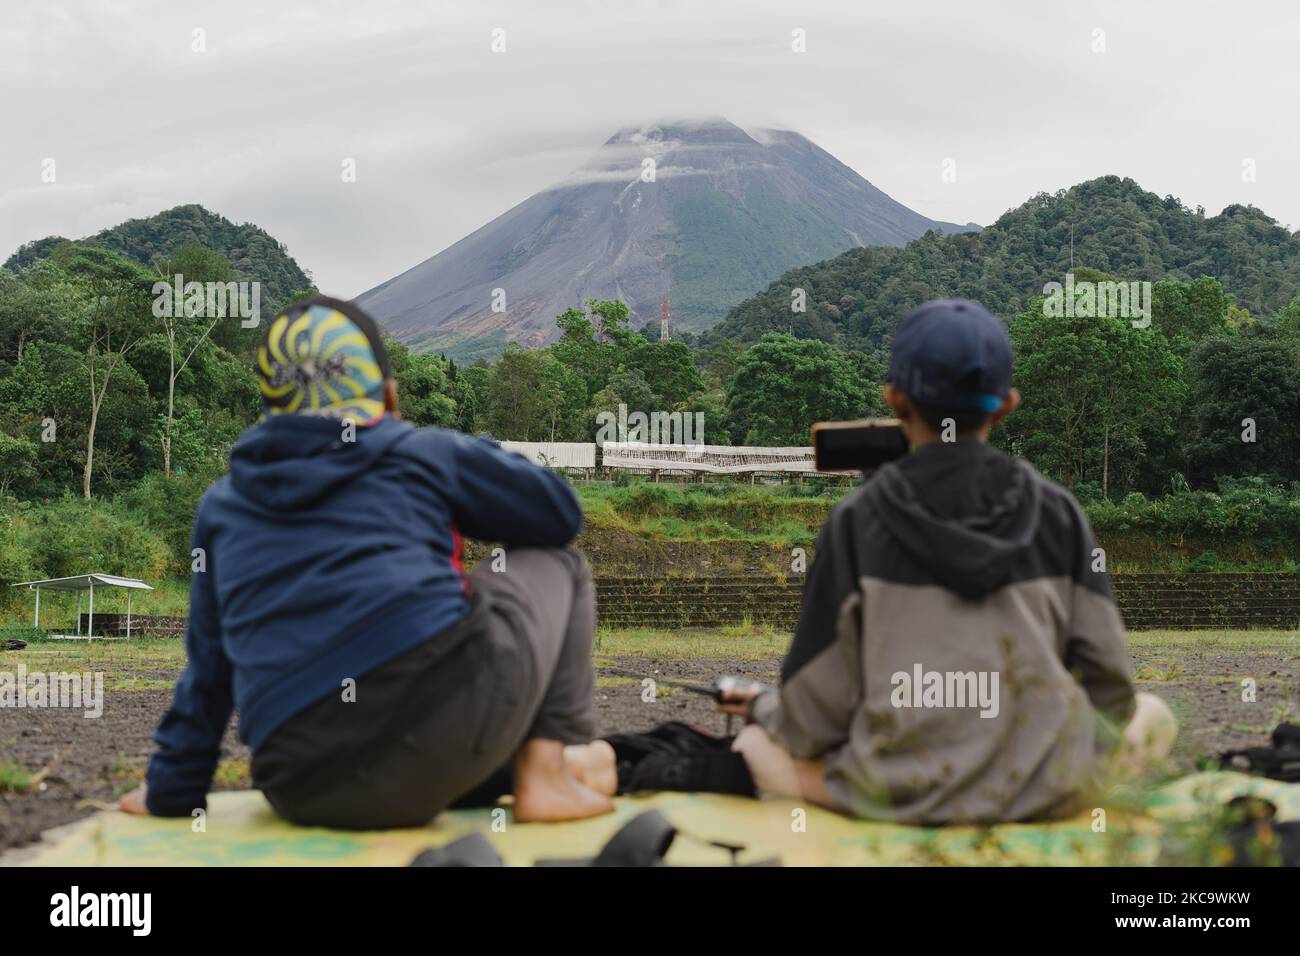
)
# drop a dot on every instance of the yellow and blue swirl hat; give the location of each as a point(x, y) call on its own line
point(323, 357)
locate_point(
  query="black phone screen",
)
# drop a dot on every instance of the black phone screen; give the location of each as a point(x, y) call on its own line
point(857, 446)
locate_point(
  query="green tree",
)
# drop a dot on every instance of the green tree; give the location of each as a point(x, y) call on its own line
point(1186, 312)
point(712, 404)
point(783, 385)
point(871, 373)
point(595, 343)
point(119, 301)
point(1141, 392)
point(473, 397)
point(1238, 380)
point(425, 393)
point(24, 404)
point(186, 332)
point(1288, 321)
point(669, 369)
point(1094, 390)
point(516, 406)
point(564, 395)
point(17, 463)
point(579, 350)
point(719, 361)
point(626, 387)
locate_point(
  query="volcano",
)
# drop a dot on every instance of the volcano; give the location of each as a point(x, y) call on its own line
point(703, 213)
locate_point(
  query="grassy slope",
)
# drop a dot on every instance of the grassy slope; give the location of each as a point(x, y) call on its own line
point(726, 251)
point(1143, 537)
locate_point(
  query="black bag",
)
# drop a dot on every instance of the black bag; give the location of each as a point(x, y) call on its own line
point(675, 756)
point(1280, 761)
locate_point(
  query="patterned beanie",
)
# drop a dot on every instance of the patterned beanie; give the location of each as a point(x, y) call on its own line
point(323, 357)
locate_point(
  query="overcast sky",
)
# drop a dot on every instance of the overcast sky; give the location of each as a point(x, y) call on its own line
point(447, 134)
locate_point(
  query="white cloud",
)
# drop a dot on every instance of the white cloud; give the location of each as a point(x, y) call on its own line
point(447, 135)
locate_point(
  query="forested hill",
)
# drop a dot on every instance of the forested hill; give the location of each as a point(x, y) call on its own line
point(253, 253)
point(856, 299)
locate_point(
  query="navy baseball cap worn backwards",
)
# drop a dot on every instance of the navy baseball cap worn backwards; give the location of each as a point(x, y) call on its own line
point(952, 353)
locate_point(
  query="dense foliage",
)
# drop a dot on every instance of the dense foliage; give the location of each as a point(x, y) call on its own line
point(251, 251)
point(1108, 224)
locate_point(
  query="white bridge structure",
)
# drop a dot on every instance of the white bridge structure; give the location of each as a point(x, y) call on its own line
point(708, 459)
point(665, 459)
point(556, 454)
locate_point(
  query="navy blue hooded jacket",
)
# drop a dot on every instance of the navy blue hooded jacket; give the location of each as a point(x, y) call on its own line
point(322, 559)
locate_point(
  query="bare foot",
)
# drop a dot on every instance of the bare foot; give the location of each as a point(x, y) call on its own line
point(546, 790)
point(134, 802)
point(595, 765)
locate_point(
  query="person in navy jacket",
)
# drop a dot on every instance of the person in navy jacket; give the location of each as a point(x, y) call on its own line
point(376, 682)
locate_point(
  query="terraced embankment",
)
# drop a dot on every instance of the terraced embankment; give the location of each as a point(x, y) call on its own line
point(1147, 600)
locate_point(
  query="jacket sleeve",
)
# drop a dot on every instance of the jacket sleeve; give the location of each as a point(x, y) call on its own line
point(831, 579)
point(189, 736)
point(821, 679)
point(497, 495)
point(1095, 650)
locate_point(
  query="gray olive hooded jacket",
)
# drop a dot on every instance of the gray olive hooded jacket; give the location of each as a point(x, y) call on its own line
point(955, 649)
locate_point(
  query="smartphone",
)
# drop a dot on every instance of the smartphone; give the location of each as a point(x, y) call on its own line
point(723, 685)
point(857, 446)
point(730, 684)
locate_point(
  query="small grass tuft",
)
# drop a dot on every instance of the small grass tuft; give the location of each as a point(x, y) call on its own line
point(13, 778)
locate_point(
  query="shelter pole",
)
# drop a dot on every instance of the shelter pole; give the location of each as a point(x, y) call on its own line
point(78, 612)
point(90, 625)
point(37, 623)
point(128, 614)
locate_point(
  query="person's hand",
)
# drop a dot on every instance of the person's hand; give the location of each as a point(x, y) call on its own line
point(739, 702)
point(133, 802)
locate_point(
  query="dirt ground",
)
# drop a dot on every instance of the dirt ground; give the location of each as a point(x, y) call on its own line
point(57, 766)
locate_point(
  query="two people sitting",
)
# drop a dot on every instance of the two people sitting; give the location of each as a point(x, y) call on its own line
point(959, 656)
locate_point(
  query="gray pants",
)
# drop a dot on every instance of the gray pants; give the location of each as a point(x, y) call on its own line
point(543, 614)
point(520, 669)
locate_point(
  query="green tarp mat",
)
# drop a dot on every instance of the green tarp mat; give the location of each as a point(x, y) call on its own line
point(241, 829)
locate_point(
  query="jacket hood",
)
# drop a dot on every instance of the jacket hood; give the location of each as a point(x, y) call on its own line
point(965, 510)
point(289, 462)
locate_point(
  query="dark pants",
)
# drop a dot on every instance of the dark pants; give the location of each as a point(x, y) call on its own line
point(445, 718)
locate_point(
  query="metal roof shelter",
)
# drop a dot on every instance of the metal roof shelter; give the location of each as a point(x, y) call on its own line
point(85, 582)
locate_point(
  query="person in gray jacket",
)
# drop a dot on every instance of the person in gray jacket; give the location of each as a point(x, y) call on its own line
point(959, 656)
